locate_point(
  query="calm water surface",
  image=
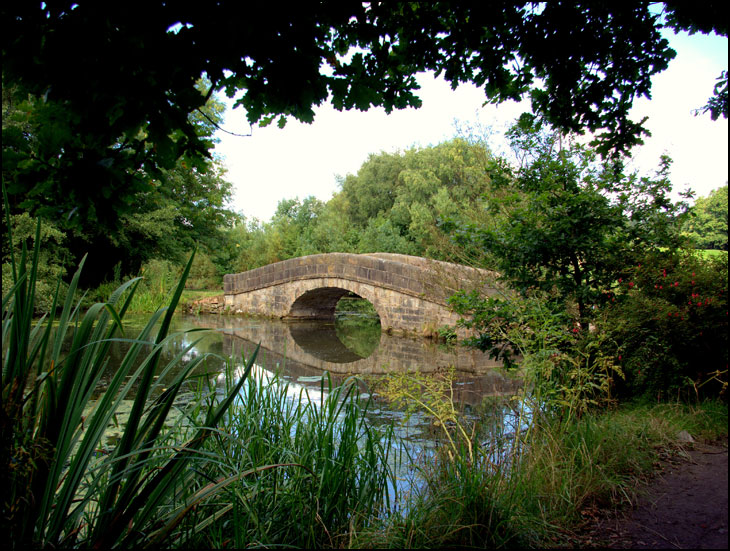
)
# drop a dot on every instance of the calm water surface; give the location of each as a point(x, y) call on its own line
point(302, 352)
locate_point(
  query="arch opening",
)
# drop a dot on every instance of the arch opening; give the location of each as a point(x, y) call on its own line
point(357, 324)
point(317, 304)
point(343, 316)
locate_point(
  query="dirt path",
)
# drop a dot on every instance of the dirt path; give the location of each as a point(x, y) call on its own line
point(685, 507)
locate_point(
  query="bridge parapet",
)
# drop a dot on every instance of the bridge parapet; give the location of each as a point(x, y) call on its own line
point(420, 277)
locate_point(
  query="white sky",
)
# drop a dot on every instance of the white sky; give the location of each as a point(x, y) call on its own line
point(302, 160)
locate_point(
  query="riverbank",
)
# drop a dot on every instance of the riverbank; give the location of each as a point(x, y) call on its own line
point(570, 478)
point(670, 490)
point(684, 506)
point(667, 487)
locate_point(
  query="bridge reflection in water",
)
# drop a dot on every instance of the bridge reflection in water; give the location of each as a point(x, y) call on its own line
point(303, 351)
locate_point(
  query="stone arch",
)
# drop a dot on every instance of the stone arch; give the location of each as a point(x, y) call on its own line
point(319, 302)
point(409, 293)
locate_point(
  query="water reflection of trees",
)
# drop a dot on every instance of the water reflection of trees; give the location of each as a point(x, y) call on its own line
point(279, 347)
point(302, 350)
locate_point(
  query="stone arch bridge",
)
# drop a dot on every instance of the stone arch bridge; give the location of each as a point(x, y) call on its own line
point(409, 293)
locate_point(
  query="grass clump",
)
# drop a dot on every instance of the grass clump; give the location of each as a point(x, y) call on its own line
point(330, 474)
point(604, 459)
point(252, 463)
point(59, 488)
point(537, 486)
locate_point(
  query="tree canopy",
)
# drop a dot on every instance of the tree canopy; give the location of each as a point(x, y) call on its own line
point(708, 225)
point(106, 125)
point(144, 215)
point(117, 82)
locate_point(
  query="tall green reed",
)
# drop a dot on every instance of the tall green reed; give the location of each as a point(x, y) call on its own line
point(58, 491)
point(334, 472)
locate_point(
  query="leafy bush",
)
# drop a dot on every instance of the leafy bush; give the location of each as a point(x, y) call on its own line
point(158, 280)
point(51, 257)
point(567, 370)
point(203, 273)
point(668, 326)
point(707, 226)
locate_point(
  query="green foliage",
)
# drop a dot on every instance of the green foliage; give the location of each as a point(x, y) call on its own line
point(332, 470)
point(131, 88)
point(184, 208)
point(707, 225)
point(158, 279)
point(464, 504)
point(669, 326)
point(298, 228)
point(567, 371)
point(571, 221)
point(717, 104)
point(447, 334)
point(381, 235)
point(604, 458)
point(109, 136)
point(370, 192)
point(203, 274)
point(398, 200)
point(543, 479)
point(395, 203)
point(159, 214)
point(58, 489)
point(434, 395)
point(52, 257)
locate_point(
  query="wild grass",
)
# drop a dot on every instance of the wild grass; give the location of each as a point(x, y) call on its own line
point(158, 281)
point(330, 472)
point(711, 253)
point(604, 459)
point(259, 462)
point(545, 480)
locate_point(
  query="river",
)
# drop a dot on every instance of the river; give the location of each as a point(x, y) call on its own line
point(302, 352)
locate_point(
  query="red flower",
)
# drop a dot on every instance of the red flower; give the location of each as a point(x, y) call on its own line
point(631, 283)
